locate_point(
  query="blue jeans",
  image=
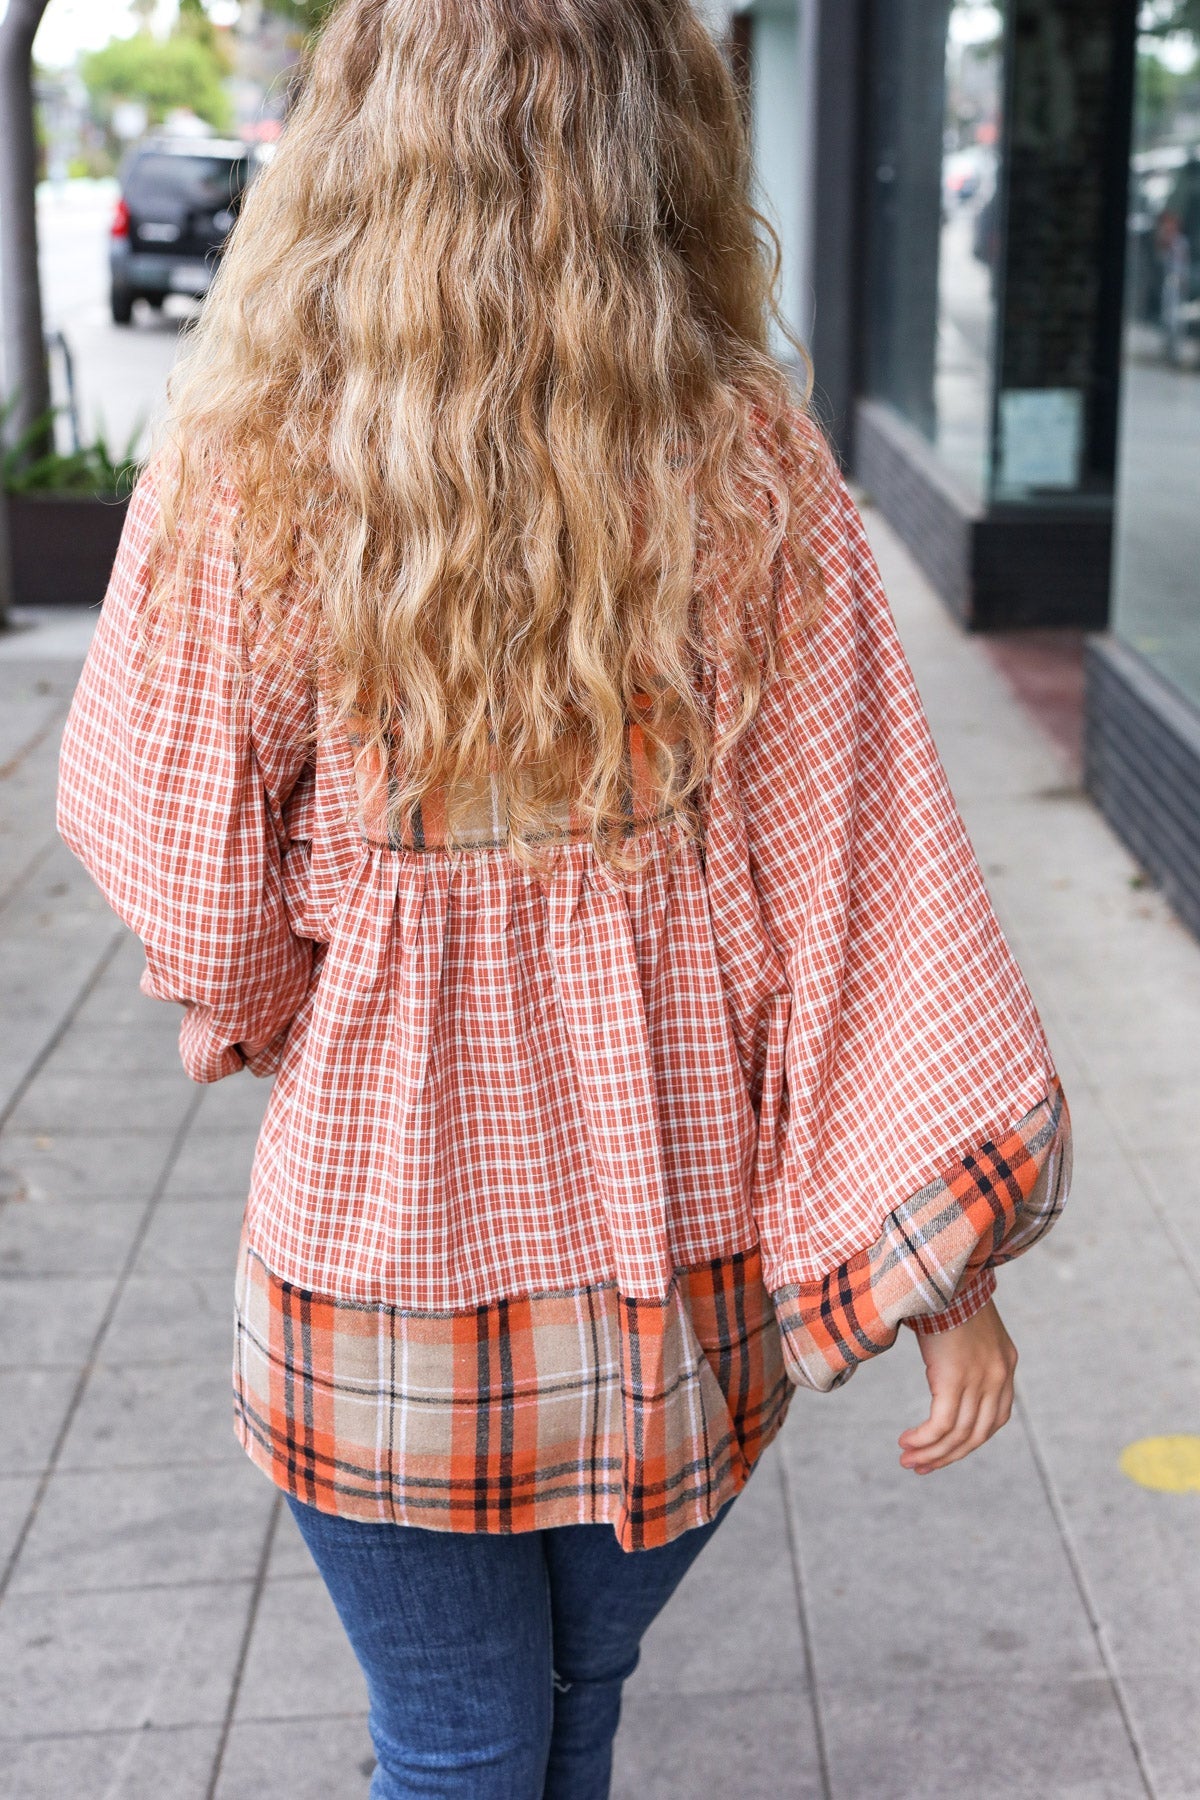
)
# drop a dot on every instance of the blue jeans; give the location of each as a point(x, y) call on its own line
point(494, 1664)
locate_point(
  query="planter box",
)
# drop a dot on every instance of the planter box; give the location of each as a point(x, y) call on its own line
point(63, 547)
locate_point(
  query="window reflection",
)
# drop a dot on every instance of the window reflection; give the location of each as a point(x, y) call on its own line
point(969, 242)
point(1158, 534)
point(937, 90)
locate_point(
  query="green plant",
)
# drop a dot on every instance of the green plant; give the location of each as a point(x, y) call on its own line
point(177, 71)
point(92, 469)
point(310, 15)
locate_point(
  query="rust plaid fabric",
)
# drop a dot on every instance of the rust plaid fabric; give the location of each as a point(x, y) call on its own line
point(802, 1037)
point(940, 1243)
point(481, 807)
point(545, 1410)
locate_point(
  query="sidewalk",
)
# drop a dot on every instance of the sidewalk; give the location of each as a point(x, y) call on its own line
point(1024, 1624)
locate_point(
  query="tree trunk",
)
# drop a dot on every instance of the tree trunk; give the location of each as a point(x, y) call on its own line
point(25, 368)
point(24, 348)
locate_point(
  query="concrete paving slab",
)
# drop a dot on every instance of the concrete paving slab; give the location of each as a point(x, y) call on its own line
point(918, 1738)
point(709, 1746)
point(16, 1497)
point(51, 891)
point(1163, 1701)
point(701, 1644)
point(43, 979)
point(151, 1045)
point(200, 1239)
point(61, 1165)
point(214, 1162)
point(313, 1760)
point(67, 1237)
point(172, 1318)
point(41, 638)
point(1138, 1550)
point(1137, 1547)
point(290, 1559)
point(136, 1765)
point(119, 1661)
point(908, 1553)
point(147, 1416)
point(108, 1101)
point(235, 1104)
point(1175, 1183)
point(33, 1405)
point(98, 1529)
point(54, 1322)
point(299, 1664)
point(117, 999)
point(1146, 1299)
point(31, 707)
point(1151, 1116)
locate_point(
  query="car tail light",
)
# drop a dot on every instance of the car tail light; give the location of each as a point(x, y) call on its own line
point(120, 220)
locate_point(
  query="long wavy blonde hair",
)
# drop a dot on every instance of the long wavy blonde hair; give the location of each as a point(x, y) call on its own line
point(487, 363)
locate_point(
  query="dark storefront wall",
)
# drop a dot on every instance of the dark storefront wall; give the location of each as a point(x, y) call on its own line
point(1143, 761)
point(994, 161)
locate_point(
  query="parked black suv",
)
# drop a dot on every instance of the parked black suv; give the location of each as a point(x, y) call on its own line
point(179, 199)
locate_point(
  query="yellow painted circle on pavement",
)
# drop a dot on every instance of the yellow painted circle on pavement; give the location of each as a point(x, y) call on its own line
point(1169, 1464)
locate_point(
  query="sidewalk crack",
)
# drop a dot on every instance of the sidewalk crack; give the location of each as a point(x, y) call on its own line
point(806, 1635)
point(235, 1686)
point(64, 1025)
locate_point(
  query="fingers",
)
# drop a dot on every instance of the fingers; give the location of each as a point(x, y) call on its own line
point(951, 1418)
point(973, 1427)
point(959, 1422)
point(943, 1416)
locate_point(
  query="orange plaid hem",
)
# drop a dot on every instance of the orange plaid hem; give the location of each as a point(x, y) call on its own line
point(576, 1407)
point(931, 1265)
point(550, 1410)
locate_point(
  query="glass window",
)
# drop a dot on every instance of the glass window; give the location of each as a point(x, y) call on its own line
point(937, 88)
point(176, 179)
point(1157, 597)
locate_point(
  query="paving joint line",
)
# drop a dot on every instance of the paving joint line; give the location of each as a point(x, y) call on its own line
point(113, 1731)
point(260, 1582)
point(9, 768)
point(1095, 1090)
point(103, 964)
point(806, 1636)
point(1083, 1588)
point(234, 1458)
point(176, 1725)
point(28, 872)
point(197, 1584)
point(106, 1319)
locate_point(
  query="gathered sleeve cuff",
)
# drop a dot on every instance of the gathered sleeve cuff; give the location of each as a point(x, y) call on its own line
point(971, 1298)
point(932, 1264)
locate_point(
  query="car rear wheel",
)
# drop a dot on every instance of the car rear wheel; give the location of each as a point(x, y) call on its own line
point(122, 306)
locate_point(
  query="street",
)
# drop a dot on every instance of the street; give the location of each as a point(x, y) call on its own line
point(120, 372)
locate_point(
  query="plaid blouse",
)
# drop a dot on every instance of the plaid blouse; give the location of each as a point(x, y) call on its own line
point(564, 1186)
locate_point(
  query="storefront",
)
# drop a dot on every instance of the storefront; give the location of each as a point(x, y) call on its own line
point(1143, 748)
point(991, 220)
